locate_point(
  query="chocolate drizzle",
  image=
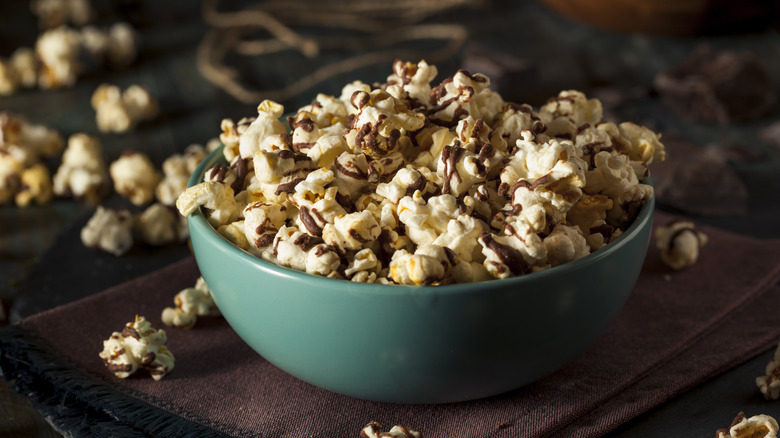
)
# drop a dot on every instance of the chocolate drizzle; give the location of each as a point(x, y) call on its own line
point(306, 241)
point(509, 256)
point(287, 187)
point(242, 170)
point(450, 156)
point(309, 221)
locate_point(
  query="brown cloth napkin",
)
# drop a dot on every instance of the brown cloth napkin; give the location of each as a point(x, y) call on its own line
point(677, 330)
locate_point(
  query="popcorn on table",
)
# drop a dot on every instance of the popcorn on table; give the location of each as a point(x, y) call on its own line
point(109, 230)
point(414, 183)
point(190, 303)
point(23, 146)
point(757, 426)
point(680, 243)
point(138, 346)
point(374, 430)
point(770, 383)
point(119, 110)
point(135, 177)
point(83, 173)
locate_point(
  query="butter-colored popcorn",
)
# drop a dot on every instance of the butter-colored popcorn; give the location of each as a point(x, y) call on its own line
point(190, 303)
point(160, 225)
point(461, 237)
point(428, 265)
point(10, 176)
point(119, 110)
point(757, 426)
point(109, 230)
point(565, 244)
point(82, 173)
point(374, 430)
point(589, 214)
point(680, 243)
point(425, 220)
point(35, 186)
point(612, 175)
point(769, 384)
point(28, 142)
point(58, 53)
point(138, 346)
point(135, 177)
point(217, 198)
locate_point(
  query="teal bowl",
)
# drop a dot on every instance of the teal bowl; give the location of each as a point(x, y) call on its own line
point(418, 344)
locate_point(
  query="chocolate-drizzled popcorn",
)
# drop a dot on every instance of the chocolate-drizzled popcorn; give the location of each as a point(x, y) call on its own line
point(769, 384)
point(138, 346)
point(757, 426)
point(680, 243)
point(414, 183)
point(374, 430)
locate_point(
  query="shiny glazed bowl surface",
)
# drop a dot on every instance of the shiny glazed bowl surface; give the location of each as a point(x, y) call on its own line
point(418, 344)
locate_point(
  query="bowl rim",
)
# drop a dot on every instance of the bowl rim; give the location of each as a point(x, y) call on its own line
point(197, 222)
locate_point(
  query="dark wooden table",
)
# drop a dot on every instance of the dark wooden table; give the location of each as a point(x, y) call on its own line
point(39, 245)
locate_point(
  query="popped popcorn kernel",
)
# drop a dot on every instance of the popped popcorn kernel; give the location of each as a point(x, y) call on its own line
point(139, 346)
point(135, 177)
point(680, 243)
point(769, 384)
point(83, 173)
point(374, 430)
point(757, 426)
point(119, 110)
point(190, 303)
point(109, 230)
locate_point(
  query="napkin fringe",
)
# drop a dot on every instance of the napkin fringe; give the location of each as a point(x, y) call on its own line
point(72, 401)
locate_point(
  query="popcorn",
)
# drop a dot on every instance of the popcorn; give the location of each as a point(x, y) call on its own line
point(135, 177)
point(414, 183)
point(138, 346)
point(82, 173)
point(762, 426)
point(374, 430)
point(191, 303)
point(109, 230)
point(216, 197)
point(680, 243)
point(58, 53)
point(35, 186)
point(20, 70)
point(120, 111)
point(160, 225)
point(770, 383)
point(176, 172)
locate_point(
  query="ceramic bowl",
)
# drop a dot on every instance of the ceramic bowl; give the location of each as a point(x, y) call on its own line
point(418, 344)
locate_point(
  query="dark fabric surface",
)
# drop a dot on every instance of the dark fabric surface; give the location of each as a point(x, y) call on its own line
point(677, 330)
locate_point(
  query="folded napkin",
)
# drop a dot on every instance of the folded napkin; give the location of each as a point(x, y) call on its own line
point(677, 330)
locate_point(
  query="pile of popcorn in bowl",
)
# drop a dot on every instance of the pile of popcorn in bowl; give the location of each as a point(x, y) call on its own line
point(405, 182)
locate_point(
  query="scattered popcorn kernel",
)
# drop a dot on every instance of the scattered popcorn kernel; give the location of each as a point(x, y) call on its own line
point(770, 383)
point(138, 346)
point(176, 172)
point(82, 174)
point(160, 225)
point(374, 430)
point(680, 243)
point(58, 53)
point(35, 186)
point(109, 230)
point(120, 111)
point(190, 303)
point(135, 177)
point(757, 426)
